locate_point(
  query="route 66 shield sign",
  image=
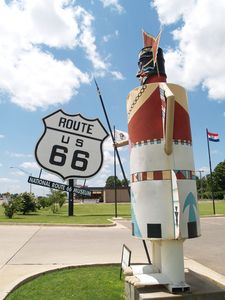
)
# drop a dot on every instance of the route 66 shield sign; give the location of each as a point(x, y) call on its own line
point(71, 145)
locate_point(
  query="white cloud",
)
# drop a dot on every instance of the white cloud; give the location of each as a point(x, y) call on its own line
point(87, 38)
point(18, 173)
point(199, 56)
point(14, 154)
point(51, 177)
point(108, 164)
point(7, 180)
point(204, 171)
point(24, 169)
point(114, 4)
point(117, 75)
point(108, 144)
point(33, 77)
point(2, 136)
point(108, 37)
point(52, 23)
point(30, 165)
point(215, 152)
point(171, 11)
point(39, 80)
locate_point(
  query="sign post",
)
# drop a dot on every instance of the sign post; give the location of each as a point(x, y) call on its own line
point(70, 198)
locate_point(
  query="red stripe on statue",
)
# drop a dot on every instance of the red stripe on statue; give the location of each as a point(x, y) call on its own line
point(182, 128)
point(146, 123)
point(157, 175)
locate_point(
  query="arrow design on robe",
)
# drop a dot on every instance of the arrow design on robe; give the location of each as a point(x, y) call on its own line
point(136, 228)
point(191, 203)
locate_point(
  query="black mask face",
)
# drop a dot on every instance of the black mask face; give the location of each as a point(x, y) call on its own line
point(146, 64)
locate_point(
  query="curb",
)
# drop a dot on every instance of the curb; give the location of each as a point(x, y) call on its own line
point(211, 275)
point(113, 223)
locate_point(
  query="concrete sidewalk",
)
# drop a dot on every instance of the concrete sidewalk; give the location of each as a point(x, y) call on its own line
point(29, 250)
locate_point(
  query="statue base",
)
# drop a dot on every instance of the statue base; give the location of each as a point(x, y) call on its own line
point(201, 289)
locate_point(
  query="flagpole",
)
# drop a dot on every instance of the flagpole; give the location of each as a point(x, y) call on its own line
point(210, 167)
point(113, 139)
point(115, 183)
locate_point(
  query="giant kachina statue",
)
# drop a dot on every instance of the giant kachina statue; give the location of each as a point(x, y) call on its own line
point(163, 183)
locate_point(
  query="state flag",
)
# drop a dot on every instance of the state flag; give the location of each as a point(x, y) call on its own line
point(213, 137)
point(120, 136)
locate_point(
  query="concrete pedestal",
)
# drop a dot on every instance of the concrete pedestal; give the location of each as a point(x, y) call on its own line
point(201, 289)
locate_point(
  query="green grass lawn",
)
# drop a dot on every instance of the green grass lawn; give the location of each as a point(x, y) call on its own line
point(94, 213)
point(89, 283)
point(83, 214)
point(206, 208)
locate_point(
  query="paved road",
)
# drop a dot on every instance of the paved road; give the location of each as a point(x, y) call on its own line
point(28, 250)
point(209, 249)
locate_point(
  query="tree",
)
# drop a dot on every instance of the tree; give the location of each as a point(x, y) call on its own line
point(123, 183)
point(25, 203)
point(219, 176)
point(110, 182)
point(217, 180)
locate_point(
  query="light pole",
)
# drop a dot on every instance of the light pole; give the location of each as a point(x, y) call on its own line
point(30, 174)
point(200, 172)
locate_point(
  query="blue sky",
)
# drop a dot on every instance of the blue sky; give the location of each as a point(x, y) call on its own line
point(50, 50)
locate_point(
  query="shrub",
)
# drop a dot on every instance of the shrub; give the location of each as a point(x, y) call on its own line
point(219, 195)
point(10, 208)
point(57, 199)
point(207, 195)
point(55, 208)
point(62, 200)
point(43, 202)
